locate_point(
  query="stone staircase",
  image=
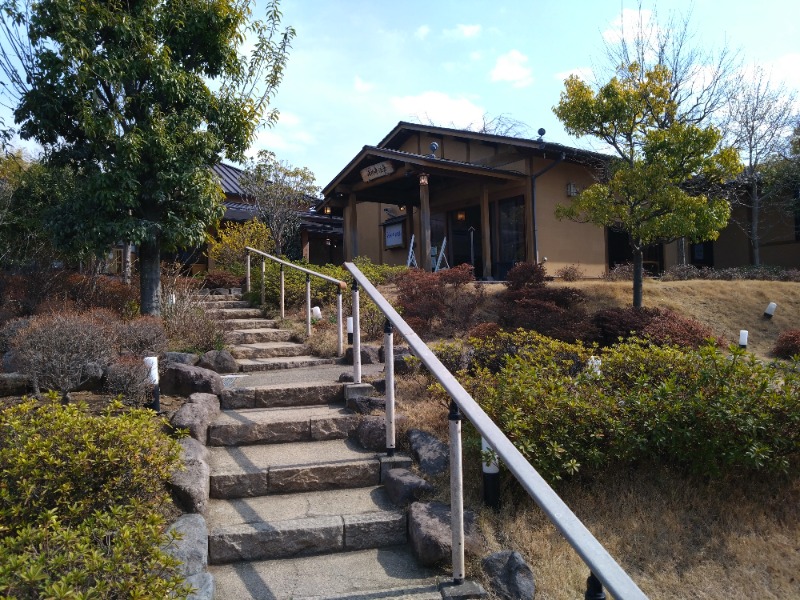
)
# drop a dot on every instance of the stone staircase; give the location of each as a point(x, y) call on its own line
point(297, 509)
point(257, 343)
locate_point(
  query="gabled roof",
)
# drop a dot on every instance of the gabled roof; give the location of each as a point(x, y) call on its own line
point(228, 176)
point(404, 129)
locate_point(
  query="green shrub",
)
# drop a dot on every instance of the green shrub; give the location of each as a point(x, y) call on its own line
point(698, 409)
point(82, 503)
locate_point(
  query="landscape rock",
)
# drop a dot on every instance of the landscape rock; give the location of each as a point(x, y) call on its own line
point(209, 401)
point(432, 455)
point(220, 361)
point(10, 362)
point(195, 418)
point(14, 384)
point(190, 486)
point(203, 584)
point(371, 431)
point(192, 547)
point(92, 374)
point(346, 377)
point(510, 577)
point(184, 380)
point(431, 538)
point(221, 292)
point(365, 405)
point(398, 351)
point(403, 487)
point(369, 355)
point(379, 385)
point(183, 358)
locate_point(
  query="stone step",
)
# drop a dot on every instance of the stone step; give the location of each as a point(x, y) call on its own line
point(277, 395)
point(235, 313)
point(247, 471)
point(214, 304)
point(268, 350)
point(301, 524)
point(389, 573)
point(212, 297)
point(236, 324)
point(248, 365)
point(256, 336)
point(281, 425)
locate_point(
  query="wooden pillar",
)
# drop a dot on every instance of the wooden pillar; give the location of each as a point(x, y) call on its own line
point(350, 229)
point(530, 217)
point(424, 259)
point(486, 233)
point(305, 245)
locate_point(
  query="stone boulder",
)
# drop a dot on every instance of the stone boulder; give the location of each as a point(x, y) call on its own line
point(92, 375)
point(183, 358)
point(365, 405)
point(430, 534)
point(403, 487)
point(371, 431)
point(203, 584)
point(196, 414)
point(346, 377)
point(398, 351)
point(184, 380)
point(220, 361)
point(190, 485)
point(432, 455)
point(192, 547)
point(14, 384)
point(510, 577)
point(369, 355)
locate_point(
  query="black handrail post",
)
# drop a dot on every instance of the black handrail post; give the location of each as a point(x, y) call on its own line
point(594, 589)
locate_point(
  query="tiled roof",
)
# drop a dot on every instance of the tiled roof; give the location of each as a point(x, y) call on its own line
point(229, 179)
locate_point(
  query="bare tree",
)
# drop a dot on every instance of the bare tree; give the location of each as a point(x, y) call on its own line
point(502, 124)
point(762, 115)
point(281, 192)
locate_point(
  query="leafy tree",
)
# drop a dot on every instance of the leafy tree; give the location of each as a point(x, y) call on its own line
point(139, 99)
point(645, 194)
point(227, 248)
point(281, 192)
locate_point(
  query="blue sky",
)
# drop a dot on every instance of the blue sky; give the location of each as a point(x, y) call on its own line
point(358, 67)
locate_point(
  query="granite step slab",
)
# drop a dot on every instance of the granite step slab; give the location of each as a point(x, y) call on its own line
point(282, 395)
point(389, 573)
point(260, 323)
point(268, 350)
point(259, 470)
point(235, 313)
point(257, 335)
point(247, 365)
point(227, 303)
point(281, 425)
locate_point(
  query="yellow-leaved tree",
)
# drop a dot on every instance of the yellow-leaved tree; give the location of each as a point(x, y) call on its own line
point(227, 247)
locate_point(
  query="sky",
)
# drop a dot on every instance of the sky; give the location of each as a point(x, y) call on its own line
point(357, 67)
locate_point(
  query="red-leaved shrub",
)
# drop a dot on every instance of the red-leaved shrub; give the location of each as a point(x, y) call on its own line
point(221, 279)
point(661, 326)
point(787, 344)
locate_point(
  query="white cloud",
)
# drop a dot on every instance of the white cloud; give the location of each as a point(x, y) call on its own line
point(628, 24)
point(422, 32)
point(463, 31)
point(784, 69)
point(288, 118)
point(512, 67)
point(583, 73)
point(438, 108)
point(475, 56)
point(362, 86)
point(285, 137)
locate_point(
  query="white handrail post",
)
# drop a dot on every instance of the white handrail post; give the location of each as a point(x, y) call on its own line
point(388, 355)
point(283, 295)
point(356, 336)
point(339, 320)
point(308, 304)
point(247, 277)
point(263, 281)
point(456, 493)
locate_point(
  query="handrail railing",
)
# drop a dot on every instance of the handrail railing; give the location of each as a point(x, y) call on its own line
point(602, 566)
point(341, 285)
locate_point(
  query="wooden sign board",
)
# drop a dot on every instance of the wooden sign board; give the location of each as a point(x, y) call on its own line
point(394, 235)
point(377, 171)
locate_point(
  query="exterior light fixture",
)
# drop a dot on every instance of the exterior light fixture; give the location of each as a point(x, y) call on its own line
point(572, 189)
point(327, 210)
point(423, 179)
point(461, 215)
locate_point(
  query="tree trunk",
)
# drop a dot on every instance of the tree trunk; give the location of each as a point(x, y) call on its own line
point(126, 263)
point(755, 215)
point(150, 277)
point(638, 276)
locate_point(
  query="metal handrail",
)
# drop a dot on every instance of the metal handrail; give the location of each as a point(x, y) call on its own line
point(599, 561)
point(341, 285)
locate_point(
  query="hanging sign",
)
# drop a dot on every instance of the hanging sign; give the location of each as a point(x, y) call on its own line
point(382, 169)
point(393, 235)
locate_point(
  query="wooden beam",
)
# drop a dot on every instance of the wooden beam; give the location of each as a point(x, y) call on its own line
point(530, 217)
point(350, 232)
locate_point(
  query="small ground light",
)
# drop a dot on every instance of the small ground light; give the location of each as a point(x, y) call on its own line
point(743, 338)
point(770, 310)
point(316, 312)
